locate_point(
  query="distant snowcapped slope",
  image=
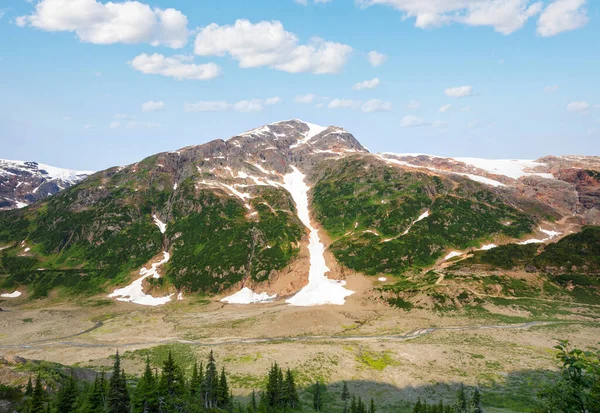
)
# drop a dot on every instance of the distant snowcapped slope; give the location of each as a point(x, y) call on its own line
point(513, 168)
point(24, 182)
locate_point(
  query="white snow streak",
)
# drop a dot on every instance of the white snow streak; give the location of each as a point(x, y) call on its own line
point(488, 247)
point(320, 289)
point(11, 295)
point(134, 292)
point(161, 225)
point(452, 255)
point(551, 235)
point(513, 168)
point(313, 130)
point(247, 296)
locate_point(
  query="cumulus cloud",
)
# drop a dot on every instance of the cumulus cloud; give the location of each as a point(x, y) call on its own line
point(152, 106)
point(445, 108)
point(305, 98)
point(269, 44)
point(561, 16)
point(376, 59)
point(367, 84)
point(343, 104)
point(107, 23)
point(550, 89)
point(505, 16)
point(376, 105)
point(250, 105)
point(176, 67)
point(305, 2)
point(459, 91)
point(411, 121)
point(2, 13)
point(579, 107)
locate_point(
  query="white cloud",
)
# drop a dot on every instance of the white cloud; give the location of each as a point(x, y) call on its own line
point(439, 124)
point(465, 109)
point(273, 101)
point(550, 89)
point(579, 106)
point(174, 67)
point(88, 126)
point(152, 106)
point(413, 105)
point(561, 16)
point(123, 116)
point(343, 103)
point(459, 91)
point(445, 108)
point(376, 59)
point(107, 23)
point(305, 99)
point(376, 105)
point(413, 121)
point(66, 118)
point(473, 124)
point(250, 105)
point(367, 84)
point(505, 16)
point(501, 61)
point(133, 125)
point(2, 13)
point(592, 132)
point(207, 106)
point(269, 44)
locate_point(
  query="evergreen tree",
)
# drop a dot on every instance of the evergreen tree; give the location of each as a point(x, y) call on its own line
point(477, 401)
point(145, 397)
point(29, 388)
point(418, 406)
point(97, 398)
point(253, 404)
point(209, 384)
point(372, 406)
point(345, 392)
point(118, 396)
point(353, 405)
point(67, 396)
point(223, 396)
point(317, 397)
point(292, 400)
point(462, 405)
point(38, 397)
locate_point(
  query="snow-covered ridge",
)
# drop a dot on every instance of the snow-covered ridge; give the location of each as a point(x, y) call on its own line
point(46, 171)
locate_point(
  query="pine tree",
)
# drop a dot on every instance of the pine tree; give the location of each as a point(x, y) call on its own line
point(292, 400)
point(97, 398)
point(38, 397)
point(210, 382)
point(29, 388)
point(372, 406)
point(118, 396)
point(462, 405)
point(317, 397)
point(477, 401)
point(353, 405)
point(418, 406)
point(67, 396)
point(145, 399)
point(345, 396)
point(253, 401)
point(223, 398)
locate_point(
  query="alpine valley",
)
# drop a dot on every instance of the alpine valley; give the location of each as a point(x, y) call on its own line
point(292, 242)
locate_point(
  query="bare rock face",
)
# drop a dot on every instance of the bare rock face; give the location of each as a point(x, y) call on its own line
point(23, 183)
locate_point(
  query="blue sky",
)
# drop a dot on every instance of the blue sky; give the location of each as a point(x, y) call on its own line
point(484, 78)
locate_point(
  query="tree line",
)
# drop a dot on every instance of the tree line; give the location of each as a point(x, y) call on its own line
point(575, 390)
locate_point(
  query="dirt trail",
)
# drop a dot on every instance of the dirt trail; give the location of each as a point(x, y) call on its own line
point(227, 341)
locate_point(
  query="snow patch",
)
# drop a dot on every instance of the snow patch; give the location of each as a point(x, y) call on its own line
point(550, 235)
point(513, 168)
point(382, 279)
point(247, 296)
point(320, 289)
point(313, 130)
point(21, 204)
point(488, 247)
point(452, 255)
point(11, 295)
point(134, 292)
point(161, 225)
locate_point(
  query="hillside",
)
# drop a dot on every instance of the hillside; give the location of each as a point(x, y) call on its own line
point(286, 207)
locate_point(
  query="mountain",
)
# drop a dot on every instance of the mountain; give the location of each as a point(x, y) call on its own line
point(290, 209)
point(23, 183)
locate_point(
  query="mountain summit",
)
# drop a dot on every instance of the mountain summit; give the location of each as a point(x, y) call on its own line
point(288, 210)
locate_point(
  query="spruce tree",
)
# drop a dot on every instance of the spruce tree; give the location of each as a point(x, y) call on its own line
point(292, 400)
point(462, 404)
point(345, 396)
point(477, 401)
point(145, 399)
point(38, 397)
point(97, 399)
point(223, 397)
point(372, 406)
point(29, 388)
point(67, 395)
point(210, 382)
point(253, 402)
point(118, 396)
point(317, 397)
